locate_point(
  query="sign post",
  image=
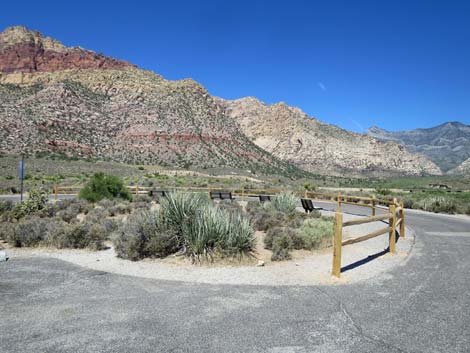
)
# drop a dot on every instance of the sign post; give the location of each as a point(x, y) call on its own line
point(21, 174)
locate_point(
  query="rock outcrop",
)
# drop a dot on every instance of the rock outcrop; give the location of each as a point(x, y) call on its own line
point(291, 135)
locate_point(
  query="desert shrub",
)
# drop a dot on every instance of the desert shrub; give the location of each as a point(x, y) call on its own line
point(78, 236)
point(70, 214)
point(408, 203)
point(278, 232)
point(6, 206)
point(144, 235)
point(267, 219)
point(281, 247)
point(29, 231)
point(36, 201)
point(96, 215)
point(103, 186)
point(120, 208)
point(381, 191)
point(106, 203)
point(230, 206)
point(7, 232)
point(437, 204)
point(314, 231)
point(284, 202)
point(142, 198)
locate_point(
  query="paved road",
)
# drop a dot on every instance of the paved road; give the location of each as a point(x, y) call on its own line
point(17, 198)
point(51, 306)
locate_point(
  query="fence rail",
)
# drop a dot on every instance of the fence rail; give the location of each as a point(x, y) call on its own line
point(395, 217)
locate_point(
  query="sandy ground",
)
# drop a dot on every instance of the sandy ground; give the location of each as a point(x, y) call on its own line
point(310, 268)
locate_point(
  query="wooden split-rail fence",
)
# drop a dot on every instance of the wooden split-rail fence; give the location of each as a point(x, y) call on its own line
point(394, 213)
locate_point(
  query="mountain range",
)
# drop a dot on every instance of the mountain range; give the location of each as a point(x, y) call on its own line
point(75, 101)
point(447, 145)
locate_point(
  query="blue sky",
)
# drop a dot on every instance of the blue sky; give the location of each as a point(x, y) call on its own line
point(395, 64)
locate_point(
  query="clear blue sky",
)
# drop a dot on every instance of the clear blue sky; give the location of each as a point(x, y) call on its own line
point(395, 64)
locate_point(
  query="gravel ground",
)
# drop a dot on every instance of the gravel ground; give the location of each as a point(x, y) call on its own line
point(312, 269)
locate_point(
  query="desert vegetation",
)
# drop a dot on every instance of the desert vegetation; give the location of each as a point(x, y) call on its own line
point(287, 229)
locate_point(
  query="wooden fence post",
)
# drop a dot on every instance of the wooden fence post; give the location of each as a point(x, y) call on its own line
point(55, 191)
point(373, 207)
point(136, 190)
point(339, 200)
point(402, 224)
point(392, 222)
point(337, 240)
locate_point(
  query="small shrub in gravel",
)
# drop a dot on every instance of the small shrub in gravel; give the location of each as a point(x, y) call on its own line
point(314, 231)
point(278, 232)
point(281, 247)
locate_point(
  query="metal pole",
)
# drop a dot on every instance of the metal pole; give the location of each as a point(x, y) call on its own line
point(22, 176)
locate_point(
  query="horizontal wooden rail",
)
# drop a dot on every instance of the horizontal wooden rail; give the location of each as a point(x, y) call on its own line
point(367, 236)
point(367, 220)
point(395, 217)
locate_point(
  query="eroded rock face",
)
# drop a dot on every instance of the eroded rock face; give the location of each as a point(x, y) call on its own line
point(23, 50)
point(293, 136)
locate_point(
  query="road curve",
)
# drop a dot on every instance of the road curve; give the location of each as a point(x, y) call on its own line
point(424, 306)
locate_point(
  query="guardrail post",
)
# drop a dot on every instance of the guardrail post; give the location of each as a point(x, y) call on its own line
point(337, 240)
point(392, 222)
point(402, 224)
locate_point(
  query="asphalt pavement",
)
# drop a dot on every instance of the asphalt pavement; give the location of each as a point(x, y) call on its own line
point(47, 305)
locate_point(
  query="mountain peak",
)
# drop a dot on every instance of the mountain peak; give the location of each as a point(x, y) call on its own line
point(19, 35)
point(26, 50)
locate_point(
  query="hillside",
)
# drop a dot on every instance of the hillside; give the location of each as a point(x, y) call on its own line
point(447, 145)
point(81, 103)
point(293, 136)
point(74, 101)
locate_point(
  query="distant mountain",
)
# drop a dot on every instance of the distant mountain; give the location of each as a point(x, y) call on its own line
point(75, 101)
point(447, 145)
point(293, 136)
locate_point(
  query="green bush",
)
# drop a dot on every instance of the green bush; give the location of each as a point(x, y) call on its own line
point(6, 206)
point(103, 186)
point(7, 232)
point(37, 201)
point(314, 231)
point(284, 202)
point(78, 236)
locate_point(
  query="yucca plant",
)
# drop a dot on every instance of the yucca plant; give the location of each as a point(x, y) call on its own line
point(285, 202)
point(179, 208)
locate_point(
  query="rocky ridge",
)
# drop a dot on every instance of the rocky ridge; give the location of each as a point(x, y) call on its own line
point(74, 101)
point(292, 135)
point(447, 145)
